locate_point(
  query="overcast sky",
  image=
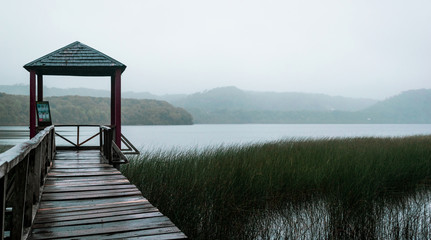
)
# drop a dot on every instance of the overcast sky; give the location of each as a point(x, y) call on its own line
point(364, 48)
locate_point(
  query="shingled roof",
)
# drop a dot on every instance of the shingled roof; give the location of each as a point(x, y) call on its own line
point(75, 59)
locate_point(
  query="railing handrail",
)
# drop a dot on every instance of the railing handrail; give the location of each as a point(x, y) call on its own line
point(120, 154)
point(16, 154)
point(77, 143)
point(105, 127)
point(75, 125)
point(22, 172)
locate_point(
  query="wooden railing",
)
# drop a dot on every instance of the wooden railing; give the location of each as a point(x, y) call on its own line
point(105, 133)
point(109, 150)
point(78, 144)
point(22, 172)
point(23, 169)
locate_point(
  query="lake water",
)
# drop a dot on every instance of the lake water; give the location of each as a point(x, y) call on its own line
point(204, 135)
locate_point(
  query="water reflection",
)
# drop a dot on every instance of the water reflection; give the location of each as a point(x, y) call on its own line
point(402, 217)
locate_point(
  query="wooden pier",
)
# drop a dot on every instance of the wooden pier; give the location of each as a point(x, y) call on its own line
point(49, 193)
point(86, 199)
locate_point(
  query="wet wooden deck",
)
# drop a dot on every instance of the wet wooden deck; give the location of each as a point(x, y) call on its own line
point(85, 199)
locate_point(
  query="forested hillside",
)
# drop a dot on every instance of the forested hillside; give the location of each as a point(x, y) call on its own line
point(232, 98)
point(412, 106)
point(91, 110)
point(227, 105)
point(224, 98)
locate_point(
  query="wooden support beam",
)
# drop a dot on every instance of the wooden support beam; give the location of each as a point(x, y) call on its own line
point(32, 184)
point(118, 107)
point(32, 104)
point(39, 87)
point(19, 201)
point(36, 166)
point(113, 100)
point(3, 192)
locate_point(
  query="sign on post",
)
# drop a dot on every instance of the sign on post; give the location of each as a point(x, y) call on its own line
point(43, 114)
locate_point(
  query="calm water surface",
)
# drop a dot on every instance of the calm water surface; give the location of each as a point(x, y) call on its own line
point(204, 135)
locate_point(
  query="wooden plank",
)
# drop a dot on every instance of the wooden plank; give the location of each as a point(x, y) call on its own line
point(77, 166)
point(102, 228)
point(85, 202)
point(140, 201)
point(81, 169)
point(150, 234)
point(69, 161)
point(87, 199)
point(81, 156)
point(90, 183)
point(80, 165)
point(114, 208)
point(128, 188)
point(90, 196)
point(79, 159)
point(80, 179)
point(80, 174)
point(127, 213)
point(94, 220)
point(85, 187)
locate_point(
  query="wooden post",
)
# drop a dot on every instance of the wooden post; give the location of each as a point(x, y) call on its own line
point(52, 147)
point(39, 87)
point(112, 100)
point(118, 107)
point(18, 209)
point(77, 136)
point(3, 192)
point(32, 104)
point(36, 164)
point(30, 186)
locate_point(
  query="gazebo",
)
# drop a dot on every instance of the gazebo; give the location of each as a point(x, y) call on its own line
point(77, 59)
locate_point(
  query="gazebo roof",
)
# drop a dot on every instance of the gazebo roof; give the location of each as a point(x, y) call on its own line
point(75, 59)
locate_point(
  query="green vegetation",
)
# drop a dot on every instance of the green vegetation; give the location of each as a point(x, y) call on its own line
point(91, 110)
point(4, 148)
point(364, 188)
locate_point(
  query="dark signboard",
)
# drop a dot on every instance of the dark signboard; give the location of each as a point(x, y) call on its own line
point(43, 113)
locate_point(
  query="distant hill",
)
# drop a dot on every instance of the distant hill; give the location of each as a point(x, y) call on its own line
point(56, 92)
point(228, 106)
point(233, 105)
point(232, 98)
point(94, 110)
point(228, 98)
point(412, 106)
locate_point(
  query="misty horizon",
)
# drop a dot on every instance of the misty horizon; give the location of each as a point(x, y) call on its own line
point(207, 90)
point(363, 49)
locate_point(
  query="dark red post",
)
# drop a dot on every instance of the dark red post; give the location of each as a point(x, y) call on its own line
point(32, 104)
point(118, 107)
point(39, 87)
point(113, 100)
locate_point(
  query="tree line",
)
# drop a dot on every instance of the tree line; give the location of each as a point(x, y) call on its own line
point(14, 110)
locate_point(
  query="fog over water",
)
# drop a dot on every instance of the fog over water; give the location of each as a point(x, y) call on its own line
point(200, 136)
point(371, 49)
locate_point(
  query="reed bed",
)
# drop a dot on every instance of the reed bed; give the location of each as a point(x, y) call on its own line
point(336, 188)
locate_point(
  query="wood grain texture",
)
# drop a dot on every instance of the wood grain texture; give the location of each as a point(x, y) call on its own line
point(91, 200)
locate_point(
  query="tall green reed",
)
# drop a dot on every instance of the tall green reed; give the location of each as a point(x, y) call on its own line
point(212, 193)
